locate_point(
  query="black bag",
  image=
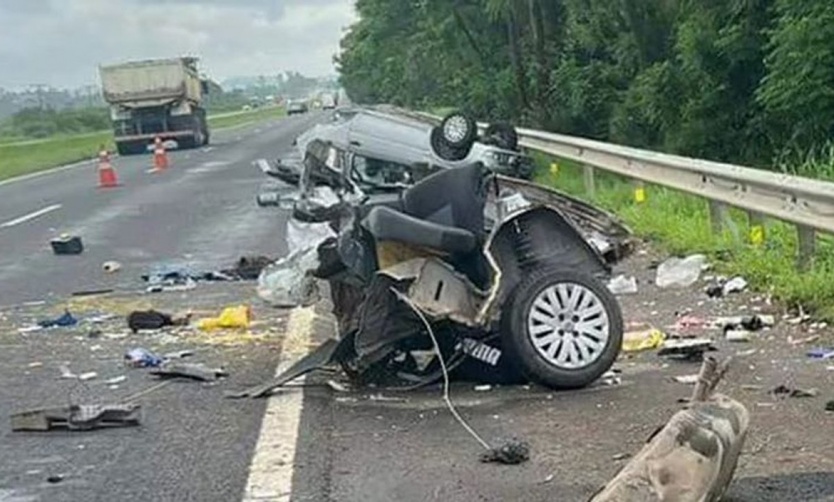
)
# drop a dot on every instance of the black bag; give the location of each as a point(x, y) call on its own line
point(149, 319)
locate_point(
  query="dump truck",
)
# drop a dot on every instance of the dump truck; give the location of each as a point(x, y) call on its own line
point(155, 98)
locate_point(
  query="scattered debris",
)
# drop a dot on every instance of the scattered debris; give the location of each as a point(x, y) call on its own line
point(66, 373)
point(611, 378)
point(783, 390)
point(76, 417)
point(249, 268)
point(64, 321)
point(511, 453)
point(621, 456)
point(483, 388)
point(67, 244)
point(194, 371)
point(142, 358)
point(87, 376)
point(548, 479)
point(188, 285)
point(179, 354)
point(748, 322)
point(734, 285)
point(829, 406)
point(695, 453)
point(689, 322)
point(746, 353)
point(803, 341)
point(622, 285)
point(92, 292)
point(111, 266)
point(115, 380)
point(821, 353)
point(153, 320)
point(680, 272)
point(647, 339)
point(36, 364)
point(687, 379)
point(338, 387)
point(737, 335)
point(231, 317)
point(687, 349)
point(55, 478)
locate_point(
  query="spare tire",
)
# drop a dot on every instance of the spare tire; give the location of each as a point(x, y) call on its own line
point(502, 135)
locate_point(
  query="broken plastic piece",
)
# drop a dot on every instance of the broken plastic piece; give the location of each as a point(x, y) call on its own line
point(687, 349)
point(194, 371)
point(289, 281)
point(111, 266)
point(77, 417)
point(821, 353)
point(734, 285)
point(622, 285)
point(783, 390)
point(737, 335)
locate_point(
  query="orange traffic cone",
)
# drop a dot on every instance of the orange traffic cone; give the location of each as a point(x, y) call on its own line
point(106, 173)
point(160, 156)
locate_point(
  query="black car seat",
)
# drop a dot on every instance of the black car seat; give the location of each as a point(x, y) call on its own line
point(444, 212)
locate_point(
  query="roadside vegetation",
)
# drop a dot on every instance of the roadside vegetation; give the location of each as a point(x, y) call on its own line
point(680, 224)
point(23, 155)
point(741, 81)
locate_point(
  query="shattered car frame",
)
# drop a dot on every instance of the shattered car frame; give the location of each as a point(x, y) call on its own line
point(482, 280)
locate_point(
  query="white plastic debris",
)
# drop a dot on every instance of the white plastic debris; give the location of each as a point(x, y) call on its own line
point(87, 376)
point(734, 285)
point(115, 380)
point(687, 379)
point(680, 272)
point(737, 335)
point(288, 283)
point(622, 285)
point(302, 236)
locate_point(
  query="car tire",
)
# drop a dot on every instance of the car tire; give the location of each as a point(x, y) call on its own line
point(539, 309)
point(459, 130)
point(443, 149)
point(502, 135)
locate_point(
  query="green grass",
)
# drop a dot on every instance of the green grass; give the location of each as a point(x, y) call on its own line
point(680, 225)
point(29, 156)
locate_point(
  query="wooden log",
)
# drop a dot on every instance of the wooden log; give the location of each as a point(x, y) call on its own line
point(693, 457)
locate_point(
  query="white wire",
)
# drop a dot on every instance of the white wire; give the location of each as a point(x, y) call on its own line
point(446, 396)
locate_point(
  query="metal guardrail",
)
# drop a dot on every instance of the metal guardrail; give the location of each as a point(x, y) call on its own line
point(805, 202)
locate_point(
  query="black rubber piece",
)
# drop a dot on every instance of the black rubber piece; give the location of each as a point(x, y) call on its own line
point(502, 135)
point(520, 348)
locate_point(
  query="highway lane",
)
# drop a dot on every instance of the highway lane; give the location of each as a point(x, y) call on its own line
point(202, 209)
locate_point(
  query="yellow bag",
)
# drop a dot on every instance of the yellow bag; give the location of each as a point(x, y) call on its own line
point(231, 317)
point(636, 341)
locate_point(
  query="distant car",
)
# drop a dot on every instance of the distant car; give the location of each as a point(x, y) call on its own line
point(295, 107)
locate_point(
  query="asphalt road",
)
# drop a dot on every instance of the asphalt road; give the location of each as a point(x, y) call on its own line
point(361, 445)
point(201, 210)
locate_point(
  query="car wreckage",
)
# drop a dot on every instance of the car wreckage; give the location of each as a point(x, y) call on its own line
point(463, 271)
point(394, 148)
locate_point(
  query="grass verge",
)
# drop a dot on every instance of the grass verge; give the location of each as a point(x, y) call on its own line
point(680, 225)
point(27, 157)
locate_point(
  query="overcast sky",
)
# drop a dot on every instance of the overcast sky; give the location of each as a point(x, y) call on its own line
point(61, 42)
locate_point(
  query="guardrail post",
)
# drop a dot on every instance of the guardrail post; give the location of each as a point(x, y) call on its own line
point(756, 224)
point(807, 243)
point(590, 183)
point(717, 216)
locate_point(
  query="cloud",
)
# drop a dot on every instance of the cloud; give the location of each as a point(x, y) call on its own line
point(61, 43)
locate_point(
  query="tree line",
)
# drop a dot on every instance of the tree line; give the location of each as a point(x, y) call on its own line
point(745, 81)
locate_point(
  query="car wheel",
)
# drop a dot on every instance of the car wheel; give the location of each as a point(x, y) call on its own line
point(443, 149)
point(459, 131)
point(563, 329)
point(502, 135)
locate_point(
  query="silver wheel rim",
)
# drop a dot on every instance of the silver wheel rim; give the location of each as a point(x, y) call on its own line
point(455, 129)
point(568, 325)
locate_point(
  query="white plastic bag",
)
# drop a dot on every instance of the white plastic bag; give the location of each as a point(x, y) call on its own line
point(680, 272)
point(288, 283)
point(302, 236)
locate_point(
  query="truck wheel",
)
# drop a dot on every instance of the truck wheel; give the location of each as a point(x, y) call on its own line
point(130, 148)
point(562, 328)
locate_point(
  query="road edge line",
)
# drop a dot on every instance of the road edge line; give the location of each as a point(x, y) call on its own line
point(273, 461)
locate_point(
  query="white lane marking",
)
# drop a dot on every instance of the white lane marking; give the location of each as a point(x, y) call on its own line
point(30, 216)
point(271, 472)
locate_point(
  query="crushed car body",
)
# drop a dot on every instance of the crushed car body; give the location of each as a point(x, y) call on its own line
point(463, 270)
